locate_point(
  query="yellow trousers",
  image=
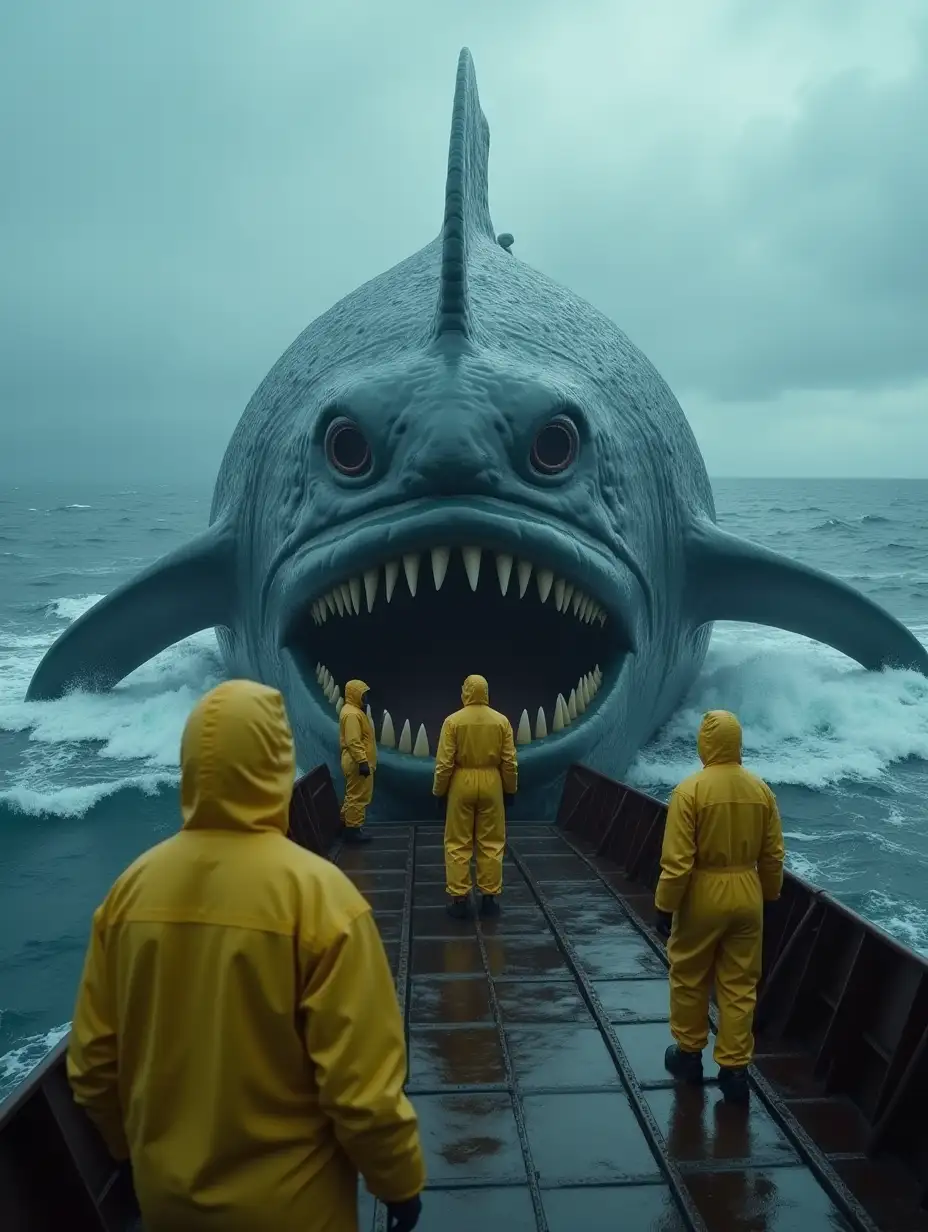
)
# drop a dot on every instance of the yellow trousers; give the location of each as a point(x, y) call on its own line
point(358, 793)
point(475, 815)
point(717, 936)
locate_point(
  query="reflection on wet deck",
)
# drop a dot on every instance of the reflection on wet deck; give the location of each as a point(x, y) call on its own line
point(536, 1047)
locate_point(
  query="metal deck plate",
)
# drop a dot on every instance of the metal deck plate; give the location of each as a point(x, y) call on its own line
point(536, 1047)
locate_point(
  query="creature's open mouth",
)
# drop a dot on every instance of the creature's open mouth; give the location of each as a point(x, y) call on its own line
point(413, 627)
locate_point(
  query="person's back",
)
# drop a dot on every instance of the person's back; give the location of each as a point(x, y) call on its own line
point(722, 858)
point(475, 763)
point(237, 1030)
point(357, 747)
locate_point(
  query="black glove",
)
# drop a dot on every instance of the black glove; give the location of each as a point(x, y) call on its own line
point(663, 922)
point(403, 1216)
point(363, 769)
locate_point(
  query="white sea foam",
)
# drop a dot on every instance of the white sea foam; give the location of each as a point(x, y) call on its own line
point(811, 717)
point(85, 746)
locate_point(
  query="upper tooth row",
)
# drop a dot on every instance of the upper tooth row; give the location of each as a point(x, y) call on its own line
point(563, 714)
point(346, 596)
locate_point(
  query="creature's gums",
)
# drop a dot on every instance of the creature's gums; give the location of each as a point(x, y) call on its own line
point(539, 637)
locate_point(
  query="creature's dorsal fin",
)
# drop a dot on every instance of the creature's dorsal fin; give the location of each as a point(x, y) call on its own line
point(467, 208)
point(188, 590)
point(731, 579)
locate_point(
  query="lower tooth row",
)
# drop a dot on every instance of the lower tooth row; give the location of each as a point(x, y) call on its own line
point(565, 712)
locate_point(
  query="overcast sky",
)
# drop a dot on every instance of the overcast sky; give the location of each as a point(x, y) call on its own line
point(186, 184)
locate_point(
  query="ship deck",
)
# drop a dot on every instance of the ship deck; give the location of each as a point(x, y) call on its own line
point(536, 1045)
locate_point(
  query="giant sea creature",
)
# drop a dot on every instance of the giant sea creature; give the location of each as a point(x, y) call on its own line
point(463, 467)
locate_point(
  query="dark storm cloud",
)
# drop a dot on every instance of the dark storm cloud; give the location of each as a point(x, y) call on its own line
point(183, 187)
point(798, 263)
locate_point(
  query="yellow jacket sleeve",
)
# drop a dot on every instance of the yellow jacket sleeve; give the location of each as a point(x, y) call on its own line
point(772, 854)
point(354, 738)
point(92, 1062)
point(355, 1040)
point(508, 766)
point(677, 853)
point(444, 759)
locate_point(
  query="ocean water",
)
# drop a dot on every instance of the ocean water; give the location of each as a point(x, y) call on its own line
point(88, 782)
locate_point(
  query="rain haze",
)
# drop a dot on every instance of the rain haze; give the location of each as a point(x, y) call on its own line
point(742, 188)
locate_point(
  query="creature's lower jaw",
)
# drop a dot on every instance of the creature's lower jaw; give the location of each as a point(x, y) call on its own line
point(550, 654)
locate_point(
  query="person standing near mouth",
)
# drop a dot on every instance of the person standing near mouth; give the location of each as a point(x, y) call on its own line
point(358, 750)
point(475, 764)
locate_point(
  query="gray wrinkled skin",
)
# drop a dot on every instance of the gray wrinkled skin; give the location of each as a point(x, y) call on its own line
point(450, 363)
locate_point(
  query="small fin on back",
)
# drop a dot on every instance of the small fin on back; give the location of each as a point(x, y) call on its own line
point(731, 579)
point(467, 208)
point(188, 590)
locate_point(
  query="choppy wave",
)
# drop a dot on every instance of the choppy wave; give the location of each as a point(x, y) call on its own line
point(17, 1064)
point(87, 746)
point(811, 717)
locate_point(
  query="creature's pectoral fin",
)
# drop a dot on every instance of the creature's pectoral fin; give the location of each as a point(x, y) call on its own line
point(188, 590)
point(731, 579)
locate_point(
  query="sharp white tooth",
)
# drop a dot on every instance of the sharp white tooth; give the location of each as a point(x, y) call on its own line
point(411, 569)
point(541, 726)
point(354, 589)
point(346, 596)
point(572, 705)
point(326, 677)
point(581, 699)
point(421, 747)
point(545, 580)
point(330, 603)
point(584, 608)
point(559, 593)
point(562, 706)
point(315, 612)
point(339, 702)
point(503, 570)
point(577, 600)
point(440, 558)
point(597, 671)
point(329, 691)
point(318, 670)
point(405, 744)
point(339, 601)
point(524, 734)
point(558, 723)
point(387, 734)
point(602, 619)
point(369, 715)
point(472, 565)
point(524, 570)
point(391, 571)
point(568, 592)
point(371, 577)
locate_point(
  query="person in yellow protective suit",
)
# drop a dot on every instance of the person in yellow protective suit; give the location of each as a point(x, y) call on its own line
point(474, 765)
point(236, 1033)
point(358, 749)
point(722, 859)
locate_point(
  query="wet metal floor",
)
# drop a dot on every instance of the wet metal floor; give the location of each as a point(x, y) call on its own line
point(536, 1047)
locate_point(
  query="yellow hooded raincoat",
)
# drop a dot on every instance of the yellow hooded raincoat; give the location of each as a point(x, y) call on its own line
point(357, 743)
point(236, 1030)
point(474, 764)
point(722, 858)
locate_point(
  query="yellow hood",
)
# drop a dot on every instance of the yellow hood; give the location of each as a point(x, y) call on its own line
point(475, 691)
point(719, 739)
point(237, 760)
point(354, 691)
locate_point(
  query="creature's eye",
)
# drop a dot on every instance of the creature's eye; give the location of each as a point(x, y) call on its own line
point(346, 448)
point(555, 446)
